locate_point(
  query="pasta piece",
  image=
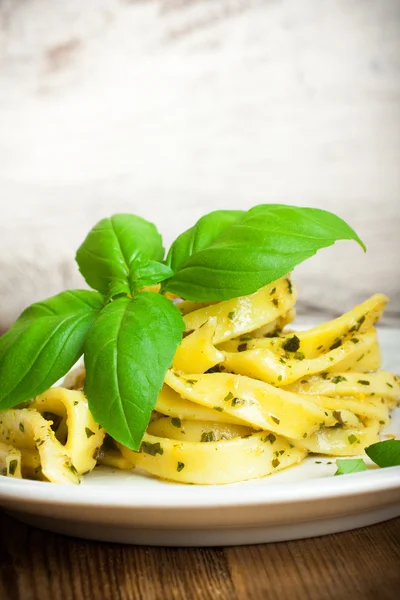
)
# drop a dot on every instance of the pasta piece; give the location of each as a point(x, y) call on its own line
point(85, 436)
point(196, 353)
point(10, 461)
point(247, 313)
point(276, 366)
point(274, 328)
point(27, 430)
point(320, 339)
point(363, 386)
point(171, 404)
point(256, 403)
point(187, 306)
point(196, 431)
point(113, 458)
point(343, 442)
point(212, 463)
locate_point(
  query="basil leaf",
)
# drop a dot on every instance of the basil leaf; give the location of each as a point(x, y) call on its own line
point(149, 273)
point(44, 343)
point(113, 247)
point(350, 465)
point(264, 245)
point(385, 454)
point(127, 353)
point(201, 235)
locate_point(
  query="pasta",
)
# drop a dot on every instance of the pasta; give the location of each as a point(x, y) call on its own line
point(244, 398)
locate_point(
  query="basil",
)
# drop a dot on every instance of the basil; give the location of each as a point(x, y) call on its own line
point(385, 454)
point(258, 248)
point(127, 353)
point(129, 336)
point(44, 343)
point(201, 235)
point(114, 247)
point(350, 465)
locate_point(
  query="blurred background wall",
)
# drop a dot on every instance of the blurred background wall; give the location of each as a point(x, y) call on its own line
point(171, 108)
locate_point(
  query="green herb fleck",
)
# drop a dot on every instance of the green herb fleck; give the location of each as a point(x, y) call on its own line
point(275, 463)
point(12, 467)
point(88, 432)
point(352, 439)
point(21, 427)
point(238, 402)
point(208, 436)
point(299, 356)
point(356, 327)
point(275, 302)
point(335, 344)
point(218, 408)
point(275, 419)
point(151, 449)
point(364, 382)
point(180, 466)
point(242, 347)
point(354, 340)
point(338, 416)
point(338, 379)
point(176, 422)
point(272, 291)
point(291, 344)
point(231, 315)
point(269, 438)
point(228, 397)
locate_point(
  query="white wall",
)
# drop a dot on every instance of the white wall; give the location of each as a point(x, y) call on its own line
point(174, 108)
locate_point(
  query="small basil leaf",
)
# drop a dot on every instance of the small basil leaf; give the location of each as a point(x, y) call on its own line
point(127, 352)
point(44, 343)
point(350, 465)
point(112, 248)
point(261, 247)
point(202, 234)
point(149, 273)
point(385, 454)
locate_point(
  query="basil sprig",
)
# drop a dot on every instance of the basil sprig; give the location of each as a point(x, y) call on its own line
point(250, 250)
point(127, 352)
point(128, 336)
point(383, 454)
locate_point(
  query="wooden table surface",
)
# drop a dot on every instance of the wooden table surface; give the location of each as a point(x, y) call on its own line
point(358, 565)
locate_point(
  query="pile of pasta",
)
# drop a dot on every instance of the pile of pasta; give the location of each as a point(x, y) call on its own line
point(244, 398)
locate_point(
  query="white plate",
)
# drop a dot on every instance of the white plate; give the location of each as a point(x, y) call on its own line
point(130, 507)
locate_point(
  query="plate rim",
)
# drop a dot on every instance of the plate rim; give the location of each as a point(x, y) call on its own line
point(135, 497)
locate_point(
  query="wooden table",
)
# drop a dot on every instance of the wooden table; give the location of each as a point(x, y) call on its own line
point(359, 565)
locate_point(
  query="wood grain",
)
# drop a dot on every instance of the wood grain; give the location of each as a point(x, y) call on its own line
point(361, 565)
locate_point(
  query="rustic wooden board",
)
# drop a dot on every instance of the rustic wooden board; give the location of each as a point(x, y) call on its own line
point(362, 565)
